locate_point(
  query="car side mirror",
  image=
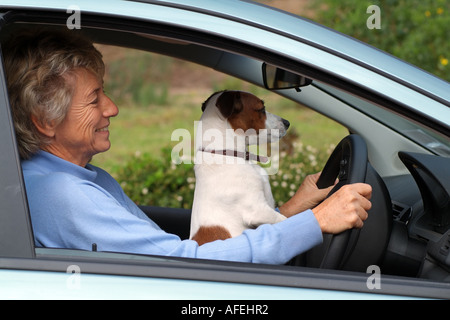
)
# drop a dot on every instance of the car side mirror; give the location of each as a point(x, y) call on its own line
point(275, 78)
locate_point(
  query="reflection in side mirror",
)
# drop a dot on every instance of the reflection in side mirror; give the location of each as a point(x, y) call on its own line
point(275, 78)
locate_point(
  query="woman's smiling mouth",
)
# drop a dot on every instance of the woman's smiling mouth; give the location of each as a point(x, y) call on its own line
point(104, 129)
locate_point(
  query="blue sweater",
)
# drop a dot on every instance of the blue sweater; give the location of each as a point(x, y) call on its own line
point(74, 207)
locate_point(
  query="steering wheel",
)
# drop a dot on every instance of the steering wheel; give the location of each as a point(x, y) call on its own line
point(348, 163)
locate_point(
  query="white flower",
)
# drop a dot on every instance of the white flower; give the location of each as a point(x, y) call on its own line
point(190, 179)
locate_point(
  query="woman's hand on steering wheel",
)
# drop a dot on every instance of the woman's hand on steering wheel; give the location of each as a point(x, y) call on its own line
point(345, 209)
point(307, 196)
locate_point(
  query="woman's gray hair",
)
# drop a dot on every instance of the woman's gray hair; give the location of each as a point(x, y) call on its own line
point(38, 67)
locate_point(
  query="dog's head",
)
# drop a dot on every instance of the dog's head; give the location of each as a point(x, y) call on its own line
point(246, 114)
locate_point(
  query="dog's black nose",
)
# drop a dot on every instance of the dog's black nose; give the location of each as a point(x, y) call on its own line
point(286, 123)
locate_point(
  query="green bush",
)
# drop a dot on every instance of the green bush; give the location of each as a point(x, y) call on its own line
point(294, 166)
point(416, 31)
point(150, 180)
point(156, 181)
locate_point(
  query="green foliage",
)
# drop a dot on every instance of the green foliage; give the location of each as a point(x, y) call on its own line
point(294, 166)
point(157, 181)
point(416, 31)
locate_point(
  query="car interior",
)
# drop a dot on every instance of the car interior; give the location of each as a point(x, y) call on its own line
point(407, 163)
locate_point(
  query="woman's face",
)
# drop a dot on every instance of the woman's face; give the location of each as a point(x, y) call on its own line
point(85, 130)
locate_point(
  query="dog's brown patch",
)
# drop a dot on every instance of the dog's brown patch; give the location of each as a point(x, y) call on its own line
point(211, 233)
point(242, 110)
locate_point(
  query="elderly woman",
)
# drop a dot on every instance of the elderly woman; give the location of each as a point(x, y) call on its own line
point(62, 119)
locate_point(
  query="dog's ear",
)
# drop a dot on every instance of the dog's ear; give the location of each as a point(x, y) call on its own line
point(229, 103)
point(205, 104)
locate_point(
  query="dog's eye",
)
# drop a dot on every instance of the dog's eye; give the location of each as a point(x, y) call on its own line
point(263, 110)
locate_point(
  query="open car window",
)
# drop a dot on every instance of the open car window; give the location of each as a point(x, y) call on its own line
point(159, 100)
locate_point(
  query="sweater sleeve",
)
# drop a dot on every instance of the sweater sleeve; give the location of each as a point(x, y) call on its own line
point(269, 243)
point(67, 213)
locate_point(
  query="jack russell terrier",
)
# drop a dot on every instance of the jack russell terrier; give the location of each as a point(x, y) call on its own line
point(232, 192)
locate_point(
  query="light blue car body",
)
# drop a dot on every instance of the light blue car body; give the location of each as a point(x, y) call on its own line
point(272, 31)
point(31, 285)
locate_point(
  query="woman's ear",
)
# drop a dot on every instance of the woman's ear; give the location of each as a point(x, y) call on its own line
point(46, 129)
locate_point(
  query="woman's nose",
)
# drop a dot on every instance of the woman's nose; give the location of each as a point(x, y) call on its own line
point(110, 108)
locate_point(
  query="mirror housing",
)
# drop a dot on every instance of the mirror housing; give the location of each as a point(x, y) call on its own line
point(275, 78)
